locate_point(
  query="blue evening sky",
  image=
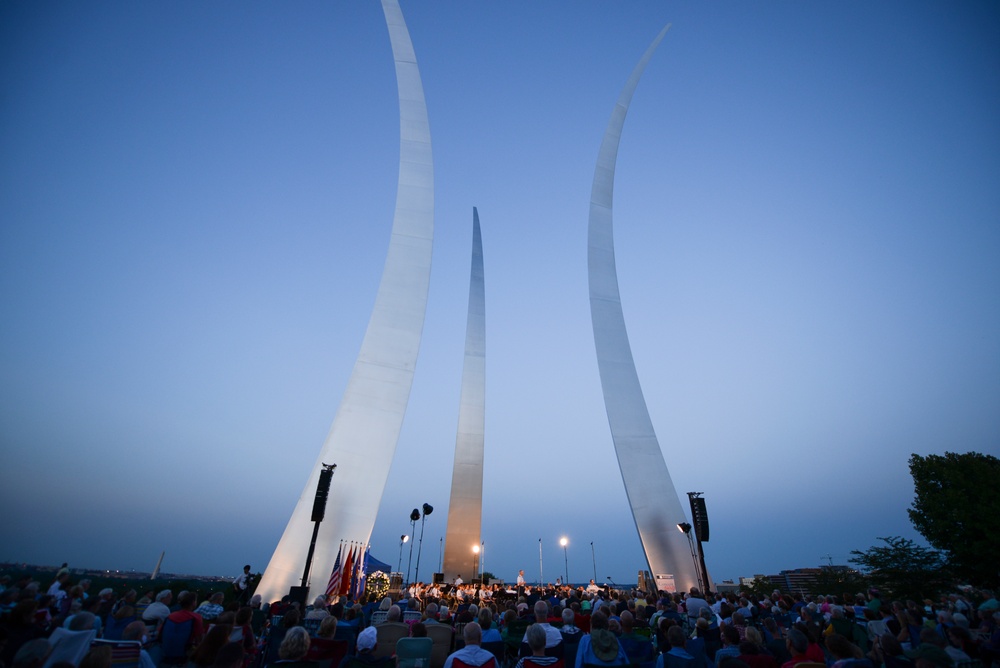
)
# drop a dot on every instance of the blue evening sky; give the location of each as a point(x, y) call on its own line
point(196, 200)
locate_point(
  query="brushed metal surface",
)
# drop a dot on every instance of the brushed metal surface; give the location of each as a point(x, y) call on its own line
point(362, 439)
point(656, 508)
point(465, 510)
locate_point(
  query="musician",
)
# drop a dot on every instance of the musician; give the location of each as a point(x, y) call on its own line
point(416, 591)
point(592, 588)
point(459, 581)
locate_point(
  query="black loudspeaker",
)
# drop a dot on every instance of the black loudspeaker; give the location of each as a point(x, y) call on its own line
point(476, 582)
point(439, 578)
point(699, 516)
point(322, 491)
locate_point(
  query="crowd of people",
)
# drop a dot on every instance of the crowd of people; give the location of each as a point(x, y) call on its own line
point(477, 627)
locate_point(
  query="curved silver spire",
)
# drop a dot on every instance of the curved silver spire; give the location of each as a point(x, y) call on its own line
point(465, 510)
point(362, 440)
point(656, 508)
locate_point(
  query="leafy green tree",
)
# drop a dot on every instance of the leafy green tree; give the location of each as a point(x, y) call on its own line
point(840, 580)
point(957, 509)
point(758, 588)
point(902, 569)
point(487, 576)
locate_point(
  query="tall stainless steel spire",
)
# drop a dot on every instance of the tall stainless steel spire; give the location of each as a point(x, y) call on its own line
point(465, 511)
point(651, 494)
point(362, 440)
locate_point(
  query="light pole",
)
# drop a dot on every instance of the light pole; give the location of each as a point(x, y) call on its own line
point(482, 559)
point(565, 542)
point(414, 516)
point(428, 509)
point(685, 528)
point(402, 539)
point(540, 579)
point(475, 561)
point(594, 558)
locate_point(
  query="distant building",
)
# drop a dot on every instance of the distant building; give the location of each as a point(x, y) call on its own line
point(728, 587)
point(799, 580)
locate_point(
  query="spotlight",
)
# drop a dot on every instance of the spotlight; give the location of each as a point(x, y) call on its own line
point(428, 509)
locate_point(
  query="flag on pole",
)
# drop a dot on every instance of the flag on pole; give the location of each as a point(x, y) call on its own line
point(345, 581)
point(358, 570)
point(359, 585)
point(359, 573)
point(333, 586)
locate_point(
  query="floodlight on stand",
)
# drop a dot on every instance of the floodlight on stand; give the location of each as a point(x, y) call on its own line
point(685, 528)
point(565, 542)
point(428, 509)
point(414, 516)
point(402, 539)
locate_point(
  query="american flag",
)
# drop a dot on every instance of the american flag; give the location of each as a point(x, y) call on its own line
point(333, 586)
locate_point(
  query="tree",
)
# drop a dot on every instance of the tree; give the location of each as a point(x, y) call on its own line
point(902, 569)
point(758, 588)
point(957, 509)
point(839, 580)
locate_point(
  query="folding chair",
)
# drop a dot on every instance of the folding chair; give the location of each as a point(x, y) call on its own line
point(414, 652)
point(69, 645)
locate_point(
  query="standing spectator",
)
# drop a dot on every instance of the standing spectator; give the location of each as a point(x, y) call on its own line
point(694, 604)
point(242, 586)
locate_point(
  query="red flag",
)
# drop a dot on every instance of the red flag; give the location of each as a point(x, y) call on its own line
point(345, 582)
point(333, 586)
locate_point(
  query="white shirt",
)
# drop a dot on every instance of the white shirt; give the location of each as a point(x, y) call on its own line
point(156, 611)
point(56, 591)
